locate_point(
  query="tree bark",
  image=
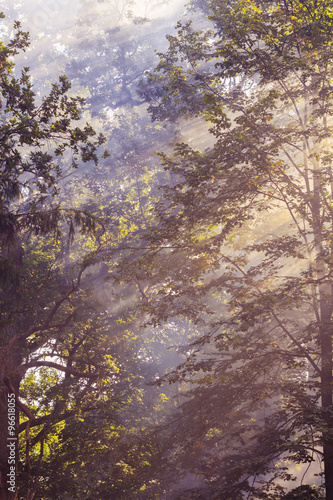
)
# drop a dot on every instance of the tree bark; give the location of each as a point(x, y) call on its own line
point(9, 385)
point(325, 339)
point(326, 397)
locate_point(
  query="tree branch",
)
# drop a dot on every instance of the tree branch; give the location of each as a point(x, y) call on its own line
point(62, 368)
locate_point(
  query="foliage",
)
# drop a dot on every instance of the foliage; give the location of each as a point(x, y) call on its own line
point(73, 298)
point(262, 395)
point(236, 246)
point(43, 325)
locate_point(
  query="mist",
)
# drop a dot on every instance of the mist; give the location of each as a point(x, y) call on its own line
point(149, 349)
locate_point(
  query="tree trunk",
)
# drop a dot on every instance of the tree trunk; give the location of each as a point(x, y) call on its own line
point(10, 380)
point(327, 400)
point(325, 335)
point(9, 421)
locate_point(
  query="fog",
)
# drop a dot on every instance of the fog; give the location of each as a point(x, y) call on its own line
point(106, 49)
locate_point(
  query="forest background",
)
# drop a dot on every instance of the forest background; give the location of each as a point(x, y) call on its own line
point(166, 319)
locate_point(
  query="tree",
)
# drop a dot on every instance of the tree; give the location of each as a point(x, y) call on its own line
point(248, 223)
point(73, 298)
point(41, 289)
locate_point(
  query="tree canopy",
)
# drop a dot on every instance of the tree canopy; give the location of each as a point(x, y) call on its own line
point(166, 321)
point(250, 220)
point(71, 355)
